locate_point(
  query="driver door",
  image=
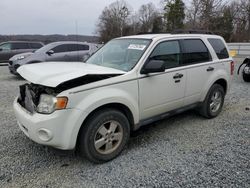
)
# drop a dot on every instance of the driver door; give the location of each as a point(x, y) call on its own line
point(163, 92)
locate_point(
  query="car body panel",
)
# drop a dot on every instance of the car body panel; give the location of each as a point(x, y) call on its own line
point(160, 93)
point(52, 74)
point(64, 139)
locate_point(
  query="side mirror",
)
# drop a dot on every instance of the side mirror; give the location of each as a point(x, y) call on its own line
point(86, 57)
point(50, 52)
point(153, 66)
point(1, 49)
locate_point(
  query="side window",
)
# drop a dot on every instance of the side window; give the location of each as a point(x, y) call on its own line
point(83, 47)
point(5, 46)
point(72, 47)
point(169, 52)
point(195, 51)
point(77, 47)
point(219, 48)
point(35, 45)
point(61, 48)
point(18, 46)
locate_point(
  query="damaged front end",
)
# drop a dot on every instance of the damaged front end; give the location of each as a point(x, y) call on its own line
point(42, 99)
point(29, 95)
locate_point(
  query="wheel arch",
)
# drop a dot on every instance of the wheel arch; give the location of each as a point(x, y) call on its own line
point(117, 106)
point(223, 83)
point(219, 80)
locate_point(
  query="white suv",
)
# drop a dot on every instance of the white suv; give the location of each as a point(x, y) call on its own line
point(130, 82)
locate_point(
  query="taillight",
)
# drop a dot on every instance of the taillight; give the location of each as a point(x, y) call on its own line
point(232, 67)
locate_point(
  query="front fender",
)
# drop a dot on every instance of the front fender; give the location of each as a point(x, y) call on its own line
point(88, 101)
point(102, 97)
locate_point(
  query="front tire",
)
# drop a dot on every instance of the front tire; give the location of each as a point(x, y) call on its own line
point(104, 135)
point(213, 103)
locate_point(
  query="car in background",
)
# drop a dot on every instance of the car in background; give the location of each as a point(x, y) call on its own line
point(11, 48)
point(56, 51)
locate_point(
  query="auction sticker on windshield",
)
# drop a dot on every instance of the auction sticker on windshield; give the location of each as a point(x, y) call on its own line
point(137, 46)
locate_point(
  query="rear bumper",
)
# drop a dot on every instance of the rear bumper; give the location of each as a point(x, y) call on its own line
point(59, 129)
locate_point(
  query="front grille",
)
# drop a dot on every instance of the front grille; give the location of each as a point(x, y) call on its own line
point(10, 62)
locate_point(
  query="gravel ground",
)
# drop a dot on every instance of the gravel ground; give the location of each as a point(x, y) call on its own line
point(183, 151)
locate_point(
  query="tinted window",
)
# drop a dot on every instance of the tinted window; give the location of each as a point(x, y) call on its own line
point(5, 46)
point(195, 51)
point(83, 47)
point(219, 48)
point(35, 45)
point(17, 46)
point(169, 52)
point(77, 47)
point(61, 48)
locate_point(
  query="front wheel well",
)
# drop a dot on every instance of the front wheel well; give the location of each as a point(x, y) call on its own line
point(117, 106)
point(223, 83)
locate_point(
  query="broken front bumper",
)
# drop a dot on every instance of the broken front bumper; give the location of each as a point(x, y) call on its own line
point(59, 129)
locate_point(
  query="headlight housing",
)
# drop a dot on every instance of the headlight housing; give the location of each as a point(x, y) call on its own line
point(48, 104)
point(20, 57)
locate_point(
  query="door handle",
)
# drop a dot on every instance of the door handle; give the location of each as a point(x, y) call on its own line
point(210, 69)
point(177, 76)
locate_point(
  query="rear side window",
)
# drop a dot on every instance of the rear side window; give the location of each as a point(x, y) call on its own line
point(219, 48)
point(83, 47)
point(195, 51)
point(61, 48)
point(17, 46)
point(77, 47)
point(169, 52)
point(35, 45)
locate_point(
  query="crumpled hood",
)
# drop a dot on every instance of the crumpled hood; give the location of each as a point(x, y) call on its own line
point(52, 74)
point(26, 54)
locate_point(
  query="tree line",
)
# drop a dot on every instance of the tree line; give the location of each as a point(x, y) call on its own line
point(228, 18)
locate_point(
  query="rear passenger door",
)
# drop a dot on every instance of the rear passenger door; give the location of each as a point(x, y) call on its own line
point(198, 63)
point(163, 92)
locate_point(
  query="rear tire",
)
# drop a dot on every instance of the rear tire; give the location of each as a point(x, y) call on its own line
point(104, 135)
point(246, 77)
point(213, 103)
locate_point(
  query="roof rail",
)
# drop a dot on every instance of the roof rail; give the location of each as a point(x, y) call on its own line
point(180, 31)
point(146, 33)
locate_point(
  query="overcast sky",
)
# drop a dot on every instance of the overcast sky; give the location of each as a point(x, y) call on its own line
point(54, 16)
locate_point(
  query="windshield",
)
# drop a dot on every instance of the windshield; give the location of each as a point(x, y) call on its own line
point(121, 54)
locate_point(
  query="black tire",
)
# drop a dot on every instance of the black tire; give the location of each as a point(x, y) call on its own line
point(89, 133)
point(246, 77)
point(205, 109)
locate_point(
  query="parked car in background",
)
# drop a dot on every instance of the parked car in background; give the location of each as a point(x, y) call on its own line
point(56, 51)
point(11, 48)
